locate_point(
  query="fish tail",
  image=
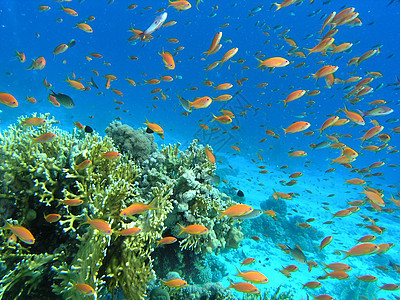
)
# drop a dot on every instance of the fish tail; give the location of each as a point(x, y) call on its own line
point(213, 117)
point(278, 6)
point(239, 273)
point(182, 229)
point(345, 252)
point(260, 61)
point(152, 203)
point(231, 283)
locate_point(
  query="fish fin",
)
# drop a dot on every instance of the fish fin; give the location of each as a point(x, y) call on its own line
point(239, 273)
point(182, 229)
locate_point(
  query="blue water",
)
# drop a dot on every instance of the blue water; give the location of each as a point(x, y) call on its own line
point(25, 29)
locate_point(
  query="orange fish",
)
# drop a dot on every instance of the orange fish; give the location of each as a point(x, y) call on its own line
point(224, 119)
point(294, 96)
point(52, 218)
point(252, 276)
point(98, 224)
point(354, 117)
point(155, 128)
point(248, 261)
point(210, 155)
point(137, 208)
point(168, 60)
point(111, 155)
point(129, 231)
point(33, 121)
point(69, 11)
point(299, 153)
point(374, 197)
point(45, 137)
point(223, 86)
point(71, 202)
point(167, 240)
point(85, 289)
point(228, 55)
point(297, 127)
point(284, 3)
point(273, 62)
point(85, 27)
point(214, 44)
point(175, 283)
point(83, 165)
point(202, 102)
point(38, 63)
point(60, 49)
point(325, 242)
point(21, 232)
point(180, 5)
point(244, 287)
point(193, 229)
point(20, 56)
point(361, 249)
point(237, 210)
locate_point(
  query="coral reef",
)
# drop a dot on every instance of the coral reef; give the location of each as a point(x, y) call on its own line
point(38, 177)
point(137, 143)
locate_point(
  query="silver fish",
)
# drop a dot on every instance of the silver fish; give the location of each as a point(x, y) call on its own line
point(63, 99)
point(185, 104)
point(322, 145)
point(252, 215)
point(378, 111)
point(297, 254)
point(157, 23)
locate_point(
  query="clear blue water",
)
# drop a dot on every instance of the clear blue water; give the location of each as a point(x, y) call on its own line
point(25, 29)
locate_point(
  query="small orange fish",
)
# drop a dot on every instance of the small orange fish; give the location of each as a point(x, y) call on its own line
point(237, 210)
point(83, 165)
point(361, 249)
point(224, 119)
point(248, 261)
point(175, 283)
point(33, 121)
point(297, 127)
point(180, 5)
point(210, 155)
point(202, 102)
point(168, 60)
point(195, 229)
point(20, 56)
point(137, 208)
point(111, 155)
point(244, 287)
point(167, 240)
point(45, 137)
point(38, 63)
point(273, 62)
point(155, 128)
point(8, 100)
point(52, 218)
point(325, 242)
point(21, 232)
point(129, 231)
point(71, 202)
point(60, 49)
point(100, 225)
point(252, 276)
point(85, 27)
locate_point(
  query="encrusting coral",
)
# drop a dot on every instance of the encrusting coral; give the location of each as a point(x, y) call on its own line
point(73, 255)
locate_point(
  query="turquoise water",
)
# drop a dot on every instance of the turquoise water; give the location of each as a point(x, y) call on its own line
point(255, 28)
